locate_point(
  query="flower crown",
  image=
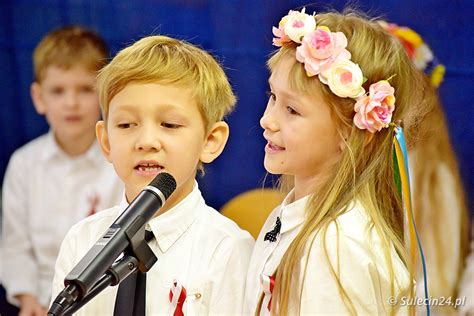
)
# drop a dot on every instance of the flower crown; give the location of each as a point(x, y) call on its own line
point(418, 51)
point(324, 54)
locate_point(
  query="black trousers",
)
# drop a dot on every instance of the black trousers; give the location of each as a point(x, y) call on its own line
point(6, 309)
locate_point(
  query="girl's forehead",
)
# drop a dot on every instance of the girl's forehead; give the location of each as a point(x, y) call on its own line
point(280, 75)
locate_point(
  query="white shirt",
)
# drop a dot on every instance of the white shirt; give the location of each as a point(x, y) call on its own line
point(200, 249)
point(362, 269)
point(45, 192)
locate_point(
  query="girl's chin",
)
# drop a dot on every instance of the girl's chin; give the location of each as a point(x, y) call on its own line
point(272, 169)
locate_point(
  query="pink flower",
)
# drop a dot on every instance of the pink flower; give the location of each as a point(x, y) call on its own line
point(320, 48)
point(374, 112)
point(280, 36)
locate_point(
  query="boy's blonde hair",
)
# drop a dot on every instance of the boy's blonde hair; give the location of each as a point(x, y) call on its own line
point(67, 47)
point(365, 170)
point(168, 61)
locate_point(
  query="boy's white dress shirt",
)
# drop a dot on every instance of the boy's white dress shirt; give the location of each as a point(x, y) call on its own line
point(201, 250)
point(361, 263)
point(45, 192)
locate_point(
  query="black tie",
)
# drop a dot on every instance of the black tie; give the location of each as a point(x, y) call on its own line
point(127, 304)
point(272, 234)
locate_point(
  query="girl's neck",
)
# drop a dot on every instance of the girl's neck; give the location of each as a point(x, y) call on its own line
point(75, 147)
point(312, 183)
point(307, 185)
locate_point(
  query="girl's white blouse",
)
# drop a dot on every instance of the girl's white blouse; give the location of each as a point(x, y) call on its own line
point(353, 250)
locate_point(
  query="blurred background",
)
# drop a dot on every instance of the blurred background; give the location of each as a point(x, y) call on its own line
point(239, 34)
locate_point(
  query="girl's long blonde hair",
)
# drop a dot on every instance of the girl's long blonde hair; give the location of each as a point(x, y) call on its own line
point(433, 153)
point(365, 170)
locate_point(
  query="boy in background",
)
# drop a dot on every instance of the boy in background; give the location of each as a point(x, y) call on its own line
point(58, 178)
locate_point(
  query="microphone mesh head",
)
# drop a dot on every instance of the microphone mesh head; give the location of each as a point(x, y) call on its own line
point(165, 183)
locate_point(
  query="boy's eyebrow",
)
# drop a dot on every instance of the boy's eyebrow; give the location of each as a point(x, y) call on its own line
point(175, 111)
point(163, 107)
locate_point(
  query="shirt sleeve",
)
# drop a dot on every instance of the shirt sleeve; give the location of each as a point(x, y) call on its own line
point(231, 261)
point(366, 287)
point(64, 263)
point(19, 265)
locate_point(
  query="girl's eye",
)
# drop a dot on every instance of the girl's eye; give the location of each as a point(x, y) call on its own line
point(124, 125)
point(170, 125)
point(291, 110)
point(271, 95)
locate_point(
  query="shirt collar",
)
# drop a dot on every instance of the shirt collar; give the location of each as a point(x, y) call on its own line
point(292, 214)
point(52, 147)
point(171, 225)
point(53, 150)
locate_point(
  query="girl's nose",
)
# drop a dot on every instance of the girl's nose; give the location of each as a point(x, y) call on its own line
point(268, 121)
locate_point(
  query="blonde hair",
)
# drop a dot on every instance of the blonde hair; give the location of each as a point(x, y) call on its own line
point(168, 61)
point(67, 47)
point(365, 170)
point(433, 152)
point(435, 172)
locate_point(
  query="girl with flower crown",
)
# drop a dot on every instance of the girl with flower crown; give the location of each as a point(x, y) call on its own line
point(439, 203)
point(335, 245)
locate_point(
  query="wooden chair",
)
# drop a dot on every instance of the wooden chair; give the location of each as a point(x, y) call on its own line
point(251, 208)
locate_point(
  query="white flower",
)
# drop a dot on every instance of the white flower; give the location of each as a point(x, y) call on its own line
point(423, 55)
point(297, 24)
point(344, 79)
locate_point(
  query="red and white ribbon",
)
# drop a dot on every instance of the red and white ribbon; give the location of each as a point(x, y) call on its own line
point(93, 200)
point(268, 282)
point(177, 297)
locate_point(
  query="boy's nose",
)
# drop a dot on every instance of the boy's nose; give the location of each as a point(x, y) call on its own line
point(71, 99)
point(148, 140)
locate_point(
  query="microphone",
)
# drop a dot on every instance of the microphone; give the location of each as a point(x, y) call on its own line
point(115, 240)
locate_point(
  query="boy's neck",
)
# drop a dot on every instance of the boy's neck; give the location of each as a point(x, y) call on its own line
point(178, 195)
point(75, 147)
point(181, 193)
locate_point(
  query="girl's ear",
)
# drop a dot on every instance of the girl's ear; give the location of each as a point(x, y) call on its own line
point(215, 142)
point(35, 91)
point(103, 139)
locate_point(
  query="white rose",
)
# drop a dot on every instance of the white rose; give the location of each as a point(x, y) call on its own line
point(298, 24)
point(344, 78)
point(423, 55)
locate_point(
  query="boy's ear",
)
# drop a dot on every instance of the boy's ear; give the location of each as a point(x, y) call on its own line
point(215, 142)
point(35, 91)
point(103, 139)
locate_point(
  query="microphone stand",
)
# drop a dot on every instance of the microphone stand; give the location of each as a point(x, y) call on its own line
point(119, 271)
point(138, 256)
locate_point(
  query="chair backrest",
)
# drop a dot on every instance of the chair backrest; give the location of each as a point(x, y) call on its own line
point(251, 208)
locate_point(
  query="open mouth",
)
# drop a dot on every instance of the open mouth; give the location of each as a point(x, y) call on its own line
point(275, 147)
point(149, 167)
